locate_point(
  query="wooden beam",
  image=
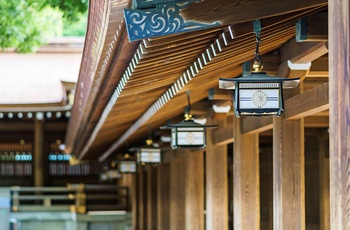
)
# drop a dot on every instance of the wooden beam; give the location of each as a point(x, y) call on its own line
point(219, 94)
point(288, 174)
point(222, 136)
point(29, 126)
point(200, 108)
point(319, 67)
point(216, 183)
point(313, 28)
point(310, 102)
point(194, 190)
point(316, 122)
point(339, 112)
point(252, 125)
point(236, 11)
point(246, 191)
point(285, 71)
point(300, 53)
point(306, 104)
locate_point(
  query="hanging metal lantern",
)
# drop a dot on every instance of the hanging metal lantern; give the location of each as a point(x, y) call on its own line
point(188, 133)
point(113, 172)
point(258, 94)
point(149, 154)
point(127, 165)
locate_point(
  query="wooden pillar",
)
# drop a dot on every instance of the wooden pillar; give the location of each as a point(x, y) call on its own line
point(288, 174)
point(339, 112)
point(141, 198)
point(194, 190)
point(151, 187)
point(163, 189)
point(216, 185)
point(324, 181)
point(246, 189)
point(177, 194)
point(39, 157)
point(129, 180)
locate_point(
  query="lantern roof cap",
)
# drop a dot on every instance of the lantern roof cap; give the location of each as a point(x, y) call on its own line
point(259, 77)
point(188, 124)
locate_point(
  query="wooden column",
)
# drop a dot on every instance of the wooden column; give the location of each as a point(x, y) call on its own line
point(339, 112)
point(141, 210)
point(194, 190)
point(151, 187)
point(324, 181)
point(246, 194)
point(129, 180)
point(177, 194)
point(216, 184)
point(288, 174)
point(39, 157)
point(163, 189)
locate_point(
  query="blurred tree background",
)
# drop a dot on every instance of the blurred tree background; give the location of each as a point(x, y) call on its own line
point(27, 24)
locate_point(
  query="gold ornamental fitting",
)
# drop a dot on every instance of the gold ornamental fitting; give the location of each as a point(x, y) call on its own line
point(257, 66)
point(188, 117)
point(149, 141)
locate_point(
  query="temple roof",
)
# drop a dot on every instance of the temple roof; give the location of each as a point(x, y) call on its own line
point(37, 79)
point(126, 88)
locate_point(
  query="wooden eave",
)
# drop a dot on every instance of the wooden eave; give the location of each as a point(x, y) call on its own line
point(122, 84)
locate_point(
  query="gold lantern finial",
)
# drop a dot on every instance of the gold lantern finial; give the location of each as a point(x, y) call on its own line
point(149, 141)
point(257, 66)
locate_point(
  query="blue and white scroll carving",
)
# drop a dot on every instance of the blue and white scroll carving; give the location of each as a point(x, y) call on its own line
point(164, 19)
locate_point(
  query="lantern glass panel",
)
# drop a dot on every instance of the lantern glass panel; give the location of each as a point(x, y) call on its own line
point(149, 155)
point(258, 98)
point(262, 95)
point(173, 138)
point(128, 167)
point(113, 174)
point(190, 136)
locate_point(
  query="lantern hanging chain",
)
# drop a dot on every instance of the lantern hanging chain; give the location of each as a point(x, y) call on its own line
point(258, 65)
point(149, 140)
point(188, 115)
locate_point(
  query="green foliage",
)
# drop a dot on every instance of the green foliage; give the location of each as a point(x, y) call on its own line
point(77, 28)
point(27, 24)
point(71, 9)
